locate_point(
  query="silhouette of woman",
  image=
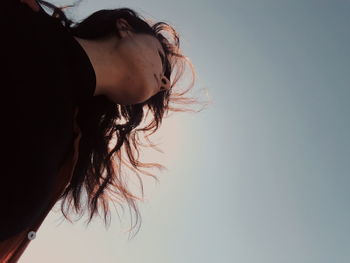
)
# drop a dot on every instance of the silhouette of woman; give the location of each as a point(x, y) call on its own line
point(75, 87)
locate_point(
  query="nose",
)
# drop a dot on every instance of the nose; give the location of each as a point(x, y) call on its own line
point(164, 83)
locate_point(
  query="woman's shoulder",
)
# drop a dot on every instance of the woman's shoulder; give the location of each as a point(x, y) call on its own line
point(26, 9)
point(33, 4)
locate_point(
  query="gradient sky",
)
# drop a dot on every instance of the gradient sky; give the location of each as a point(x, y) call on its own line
point(261, 175)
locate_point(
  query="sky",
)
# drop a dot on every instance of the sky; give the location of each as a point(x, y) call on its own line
point(262, 174)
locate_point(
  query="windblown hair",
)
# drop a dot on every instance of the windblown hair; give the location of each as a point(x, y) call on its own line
point(98, 169)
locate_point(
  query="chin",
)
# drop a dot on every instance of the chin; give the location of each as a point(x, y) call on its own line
point(130, 96)
point(132, 101)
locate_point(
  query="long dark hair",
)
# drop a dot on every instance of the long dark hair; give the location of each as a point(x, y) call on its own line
point(98, 169)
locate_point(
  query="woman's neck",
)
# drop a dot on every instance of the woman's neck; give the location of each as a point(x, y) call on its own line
point(105, 63)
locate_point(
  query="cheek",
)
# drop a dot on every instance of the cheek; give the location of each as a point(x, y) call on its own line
point(142, 65)
point(141, 84)
point(146, 68)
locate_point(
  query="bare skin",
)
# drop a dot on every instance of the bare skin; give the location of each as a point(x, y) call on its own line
point(128, 70)
point(32, 4)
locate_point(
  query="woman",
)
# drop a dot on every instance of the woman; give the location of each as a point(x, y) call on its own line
point(78, 87)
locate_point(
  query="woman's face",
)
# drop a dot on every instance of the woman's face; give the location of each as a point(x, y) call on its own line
point(143, 57)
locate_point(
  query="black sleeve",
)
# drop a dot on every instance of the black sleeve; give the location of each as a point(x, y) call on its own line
point(34, 124)
point(32, 145)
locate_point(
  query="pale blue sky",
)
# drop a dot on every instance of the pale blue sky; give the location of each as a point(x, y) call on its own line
point(262, 175)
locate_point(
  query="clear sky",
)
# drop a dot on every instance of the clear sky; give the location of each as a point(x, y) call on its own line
point(261, 175)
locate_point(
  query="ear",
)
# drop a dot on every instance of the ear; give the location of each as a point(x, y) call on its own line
point(124, 28)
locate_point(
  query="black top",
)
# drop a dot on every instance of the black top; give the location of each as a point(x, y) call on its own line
point(45, 75)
